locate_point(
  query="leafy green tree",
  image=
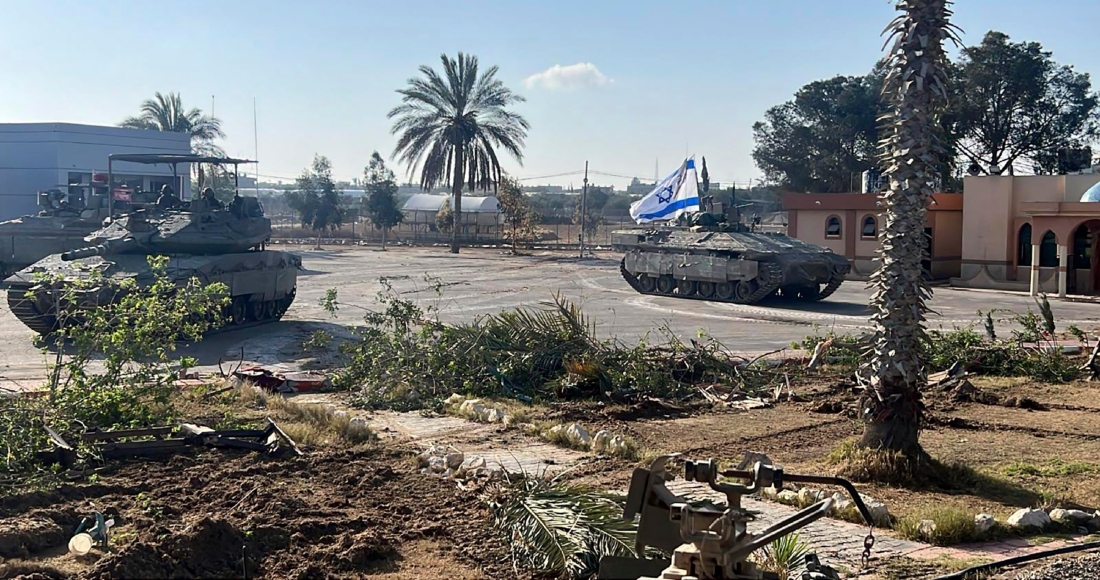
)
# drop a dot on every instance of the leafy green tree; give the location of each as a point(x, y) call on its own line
point(915, 90)
point(822, 139)
point(317, 199)
point(451, 126)
point(1014, 103)
point(381, 190)
point(517, 212)
point(167, 113)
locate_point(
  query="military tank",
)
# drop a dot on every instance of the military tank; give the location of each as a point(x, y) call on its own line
point(706, 258)
point(61, 225)
point(212, 244)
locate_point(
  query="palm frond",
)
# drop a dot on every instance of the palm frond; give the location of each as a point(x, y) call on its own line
point(559, 528)
point(456, 114)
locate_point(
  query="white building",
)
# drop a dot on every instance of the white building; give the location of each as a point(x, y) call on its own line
point(41, 156)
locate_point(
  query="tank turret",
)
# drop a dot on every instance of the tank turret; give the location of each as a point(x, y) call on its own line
point(704, 257)
point(63, 221)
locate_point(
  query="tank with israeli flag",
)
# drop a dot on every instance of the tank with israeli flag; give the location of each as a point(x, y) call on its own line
point(674, 196)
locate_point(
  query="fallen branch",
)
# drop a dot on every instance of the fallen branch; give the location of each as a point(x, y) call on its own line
point(1091, 366)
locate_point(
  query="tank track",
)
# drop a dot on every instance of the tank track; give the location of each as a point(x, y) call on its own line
point(769, 278)
point(831, 287)
point(25, 310)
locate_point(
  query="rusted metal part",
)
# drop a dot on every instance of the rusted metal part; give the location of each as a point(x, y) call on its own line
point(152, 441)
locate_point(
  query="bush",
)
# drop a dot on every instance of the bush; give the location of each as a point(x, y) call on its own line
point(111, 367)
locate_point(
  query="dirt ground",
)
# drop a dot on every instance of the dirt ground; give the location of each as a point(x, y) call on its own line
point(1024, 457)
point(331, 514)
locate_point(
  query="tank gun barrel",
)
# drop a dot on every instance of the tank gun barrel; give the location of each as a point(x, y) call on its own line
point(107, 247)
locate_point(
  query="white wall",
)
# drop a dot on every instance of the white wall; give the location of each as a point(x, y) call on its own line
point(39, 156)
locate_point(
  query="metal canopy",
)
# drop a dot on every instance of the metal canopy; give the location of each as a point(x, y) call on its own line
point(152, 159)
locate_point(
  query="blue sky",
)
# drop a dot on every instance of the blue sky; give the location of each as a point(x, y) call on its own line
point(672, 77)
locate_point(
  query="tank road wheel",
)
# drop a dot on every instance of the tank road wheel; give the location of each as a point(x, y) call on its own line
point(271, 310)
point(256, 310)
point(724, 290)
point(706, 290)
point(686, 288)
point(666, 284)
point(238, 312)
point(743, 290)
point(647, 283)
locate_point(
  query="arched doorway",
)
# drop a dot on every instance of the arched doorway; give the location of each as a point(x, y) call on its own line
point(1084, 271)
point(1023, 246)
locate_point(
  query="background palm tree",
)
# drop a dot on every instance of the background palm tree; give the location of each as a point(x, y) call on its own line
point(451, 125)
point(166, 113)
point(915, 92)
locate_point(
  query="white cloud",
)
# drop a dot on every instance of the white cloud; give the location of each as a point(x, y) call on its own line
point(575, 76)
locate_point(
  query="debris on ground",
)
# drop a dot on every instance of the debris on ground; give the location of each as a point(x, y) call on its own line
point(282, 381)
point(149, 441)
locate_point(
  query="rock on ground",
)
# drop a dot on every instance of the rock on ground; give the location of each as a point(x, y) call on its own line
point(1029, 518)
point(983, 523)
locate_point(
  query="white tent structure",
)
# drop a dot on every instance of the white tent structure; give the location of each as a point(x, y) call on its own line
point(480, 215)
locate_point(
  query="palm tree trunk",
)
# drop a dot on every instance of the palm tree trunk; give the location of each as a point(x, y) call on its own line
point(891, 407)
point(456, 190)
point(383, 239)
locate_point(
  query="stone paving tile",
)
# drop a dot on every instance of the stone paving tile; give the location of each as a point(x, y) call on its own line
point(837, 541)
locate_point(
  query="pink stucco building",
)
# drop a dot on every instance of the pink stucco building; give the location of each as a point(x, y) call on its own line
point(849, 224)
point(1032, 233)
point(1029, 233)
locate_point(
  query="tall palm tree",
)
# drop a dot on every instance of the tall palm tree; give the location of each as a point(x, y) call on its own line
point(915, 94)
point(166, 113)
point(450, 126)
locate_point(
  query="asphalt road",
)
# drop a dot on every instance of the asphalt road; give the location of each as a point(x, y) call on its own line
point(481, 281)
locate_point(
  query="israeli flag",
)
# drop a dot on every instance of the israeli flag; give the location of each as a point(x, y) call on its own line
point(675, 195)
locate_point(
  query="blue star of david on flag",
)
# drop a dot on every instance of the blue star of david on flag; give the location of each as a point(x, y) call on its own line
point(674, 195)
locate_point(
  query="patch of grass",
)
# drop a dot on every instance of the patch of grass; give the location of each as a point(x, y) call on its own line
point(317, 424)
point(881, 466)
point(953, 525)
point(1053, 468)
point(865, 465)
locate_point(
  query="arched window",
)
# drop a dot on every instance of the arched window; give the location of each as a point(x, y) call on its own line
point(870, 227)
point(1048, 251)
point(1082, 248)
point(832, 227)
point(1023, 246)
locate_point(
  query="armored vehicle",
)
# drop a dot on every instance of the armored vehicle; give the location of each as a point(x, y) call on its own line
point(706, 258)
point(201, 239)
point(61, 225)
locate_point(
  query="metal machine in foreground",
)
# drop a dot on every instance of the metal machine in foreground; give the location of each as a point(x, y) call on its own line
point(711, 259)
point(205, 242)
point(709, 541)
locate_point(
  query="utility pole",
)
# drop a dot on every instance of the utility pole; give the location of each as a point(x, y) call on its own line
point(584, 206)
